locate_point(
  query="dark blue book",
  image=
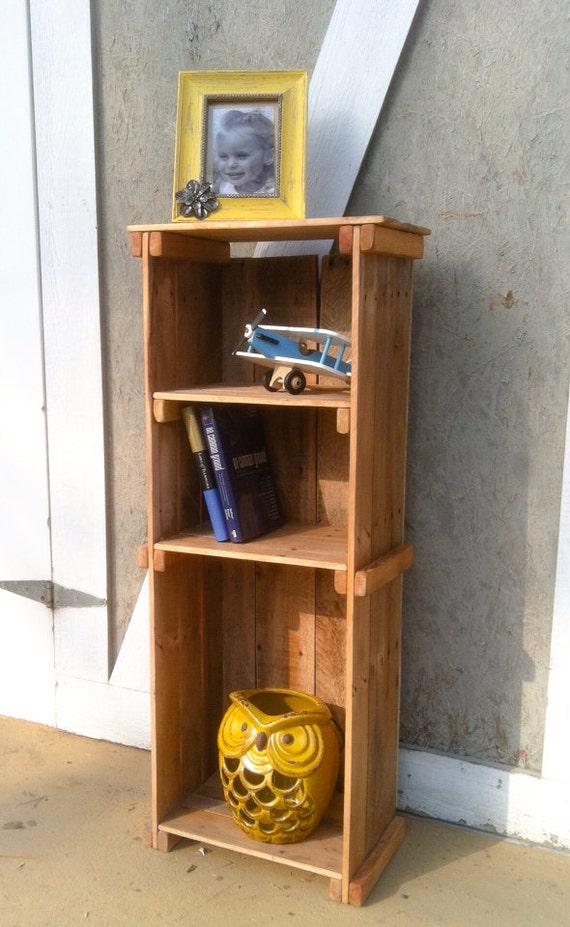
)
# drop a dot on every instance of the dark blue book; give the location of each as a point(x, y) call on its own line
point(235, 440)
point(207, 481)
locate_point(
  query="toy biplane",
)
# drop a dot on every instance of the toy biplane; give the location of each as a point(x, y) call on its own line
point(285, 351)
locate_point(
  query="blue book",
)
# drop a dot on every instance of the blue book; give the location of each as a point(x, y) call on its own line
point(235, 439)
point(207, 481)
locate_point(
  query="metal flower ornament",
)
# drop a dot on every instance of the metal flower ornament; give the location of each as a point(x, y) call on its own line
point(197, 199)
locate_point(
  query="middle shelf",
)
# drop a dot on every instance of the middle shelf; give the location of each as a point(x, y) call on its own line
point(316, 396)
point(167, 404)
point(324, 547)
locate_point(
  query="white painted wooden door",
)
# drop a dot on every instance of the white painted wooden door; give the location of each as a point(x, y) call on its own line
point(26, 625)
point(52, 480)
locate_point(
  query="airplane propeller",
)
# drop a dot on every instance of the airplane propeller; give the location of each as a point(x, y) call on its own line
point(249, 329)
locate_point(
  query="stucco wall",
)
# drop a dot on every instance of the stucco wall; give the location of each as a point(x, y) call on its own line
point(472, 143)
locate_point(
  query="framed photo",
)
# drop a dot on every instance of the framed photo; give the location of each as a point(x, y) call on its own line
point(240, 145)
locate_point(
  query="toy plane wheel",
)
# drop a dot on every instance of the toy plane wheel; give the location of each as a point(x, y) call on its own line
point(267, 381)
point(295, 381)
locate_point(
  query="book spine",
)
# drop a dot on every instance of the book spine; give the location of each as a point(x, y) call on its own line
point(207, 481)
point(213, 440)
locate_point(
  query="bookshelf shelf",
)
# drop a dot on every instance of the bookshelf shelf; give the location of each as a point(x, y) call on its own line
point(316, 604)
point(204, 816)
point(316, 397)
point(293, 544)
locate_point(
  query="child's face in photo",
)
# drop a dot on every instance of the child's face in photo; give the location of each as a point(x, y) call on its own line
point(242, 159)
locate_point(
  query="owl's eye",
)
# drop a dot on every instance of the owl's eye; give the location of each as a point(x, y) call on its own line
point(243, 727)
point(288, 739)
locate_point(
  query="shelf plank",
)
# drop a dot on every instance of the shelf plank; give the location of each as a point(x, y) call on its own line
point(208, 820)
point(276, 229)
point(377, 574)
point(377, 239)
point(383, 570)
point(167, 402)
point(296, 545)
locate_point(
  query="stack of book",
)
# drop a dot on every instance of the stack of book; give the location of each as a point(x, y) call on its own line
point(234, 439)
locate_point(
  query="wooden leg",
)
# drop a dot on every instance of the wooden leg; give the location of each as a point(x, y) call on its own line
point(335, 889)
point(165, 841)
point(364, 880)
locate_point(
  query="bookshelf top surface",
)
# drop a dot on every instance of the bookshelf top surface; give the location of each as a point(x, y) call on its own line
point(250, 394)
point(275, 229)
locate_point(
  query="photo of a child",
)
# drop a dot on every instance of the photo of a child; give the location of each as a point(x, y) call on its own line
point(240, 145)
point(242, 151)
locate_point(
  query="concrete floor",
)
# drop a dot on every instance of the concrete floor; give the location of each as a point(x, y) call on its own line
point(72, 814)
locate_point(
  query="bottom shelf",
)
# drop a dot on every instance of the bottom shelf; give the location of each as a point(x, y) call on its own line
point(206, 817)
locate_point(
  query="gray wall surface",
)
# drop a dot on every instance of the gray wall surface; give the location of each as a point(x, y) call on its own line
point(472, 142)
point(138, 49)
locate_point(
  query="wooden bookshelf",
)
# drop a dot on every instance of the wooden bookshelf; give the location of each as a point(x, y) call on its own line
point(315, 605)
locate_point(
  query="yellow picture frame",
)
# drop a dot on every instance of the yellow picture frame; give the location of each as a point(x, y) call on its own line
point(228, 115)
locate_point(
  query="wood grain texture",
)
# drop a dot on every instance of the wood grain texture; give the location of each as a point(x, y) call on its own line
point(333, 444)
point(383, 570)
point(294, 544)
point(238, 656)
point(382, 304)
point(285, 627)
point(176, 681)
point(384, 710)
point(378, 240)
point(380, 571)
point(204, 816)
point(363, 882)
point(323, 397)
point(179, 247)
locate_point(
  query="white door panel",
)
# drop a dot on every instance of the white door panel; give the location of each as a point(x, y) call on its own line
point(52, 481)
point(26, 626)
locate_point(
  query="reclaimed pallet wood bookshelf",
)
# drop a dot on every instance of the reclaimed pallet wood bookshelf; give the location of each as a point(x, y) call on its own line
point(315, 605)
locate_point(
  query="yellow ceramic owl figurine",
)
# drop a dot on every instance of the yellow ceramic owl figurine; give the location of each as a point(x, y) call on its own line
point(279, 757)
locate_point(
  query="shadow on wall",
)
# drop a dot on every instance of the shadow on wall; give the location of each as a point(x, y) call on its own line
point(473, 598)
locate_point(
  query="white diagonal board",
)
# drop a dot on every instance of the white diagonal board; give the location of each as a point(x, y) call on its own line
point(347, 90)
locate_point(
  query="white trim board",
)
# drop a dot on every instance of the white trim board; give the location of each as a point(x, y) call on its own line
point(361, 49)
point(507, 802)
point(103, 711)
point(348, 87)
point(132, 668)
point(65, 165)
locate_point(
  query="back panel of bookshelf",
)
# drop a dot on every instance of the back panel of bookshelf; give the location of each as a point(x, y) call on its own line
point(231, 624)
